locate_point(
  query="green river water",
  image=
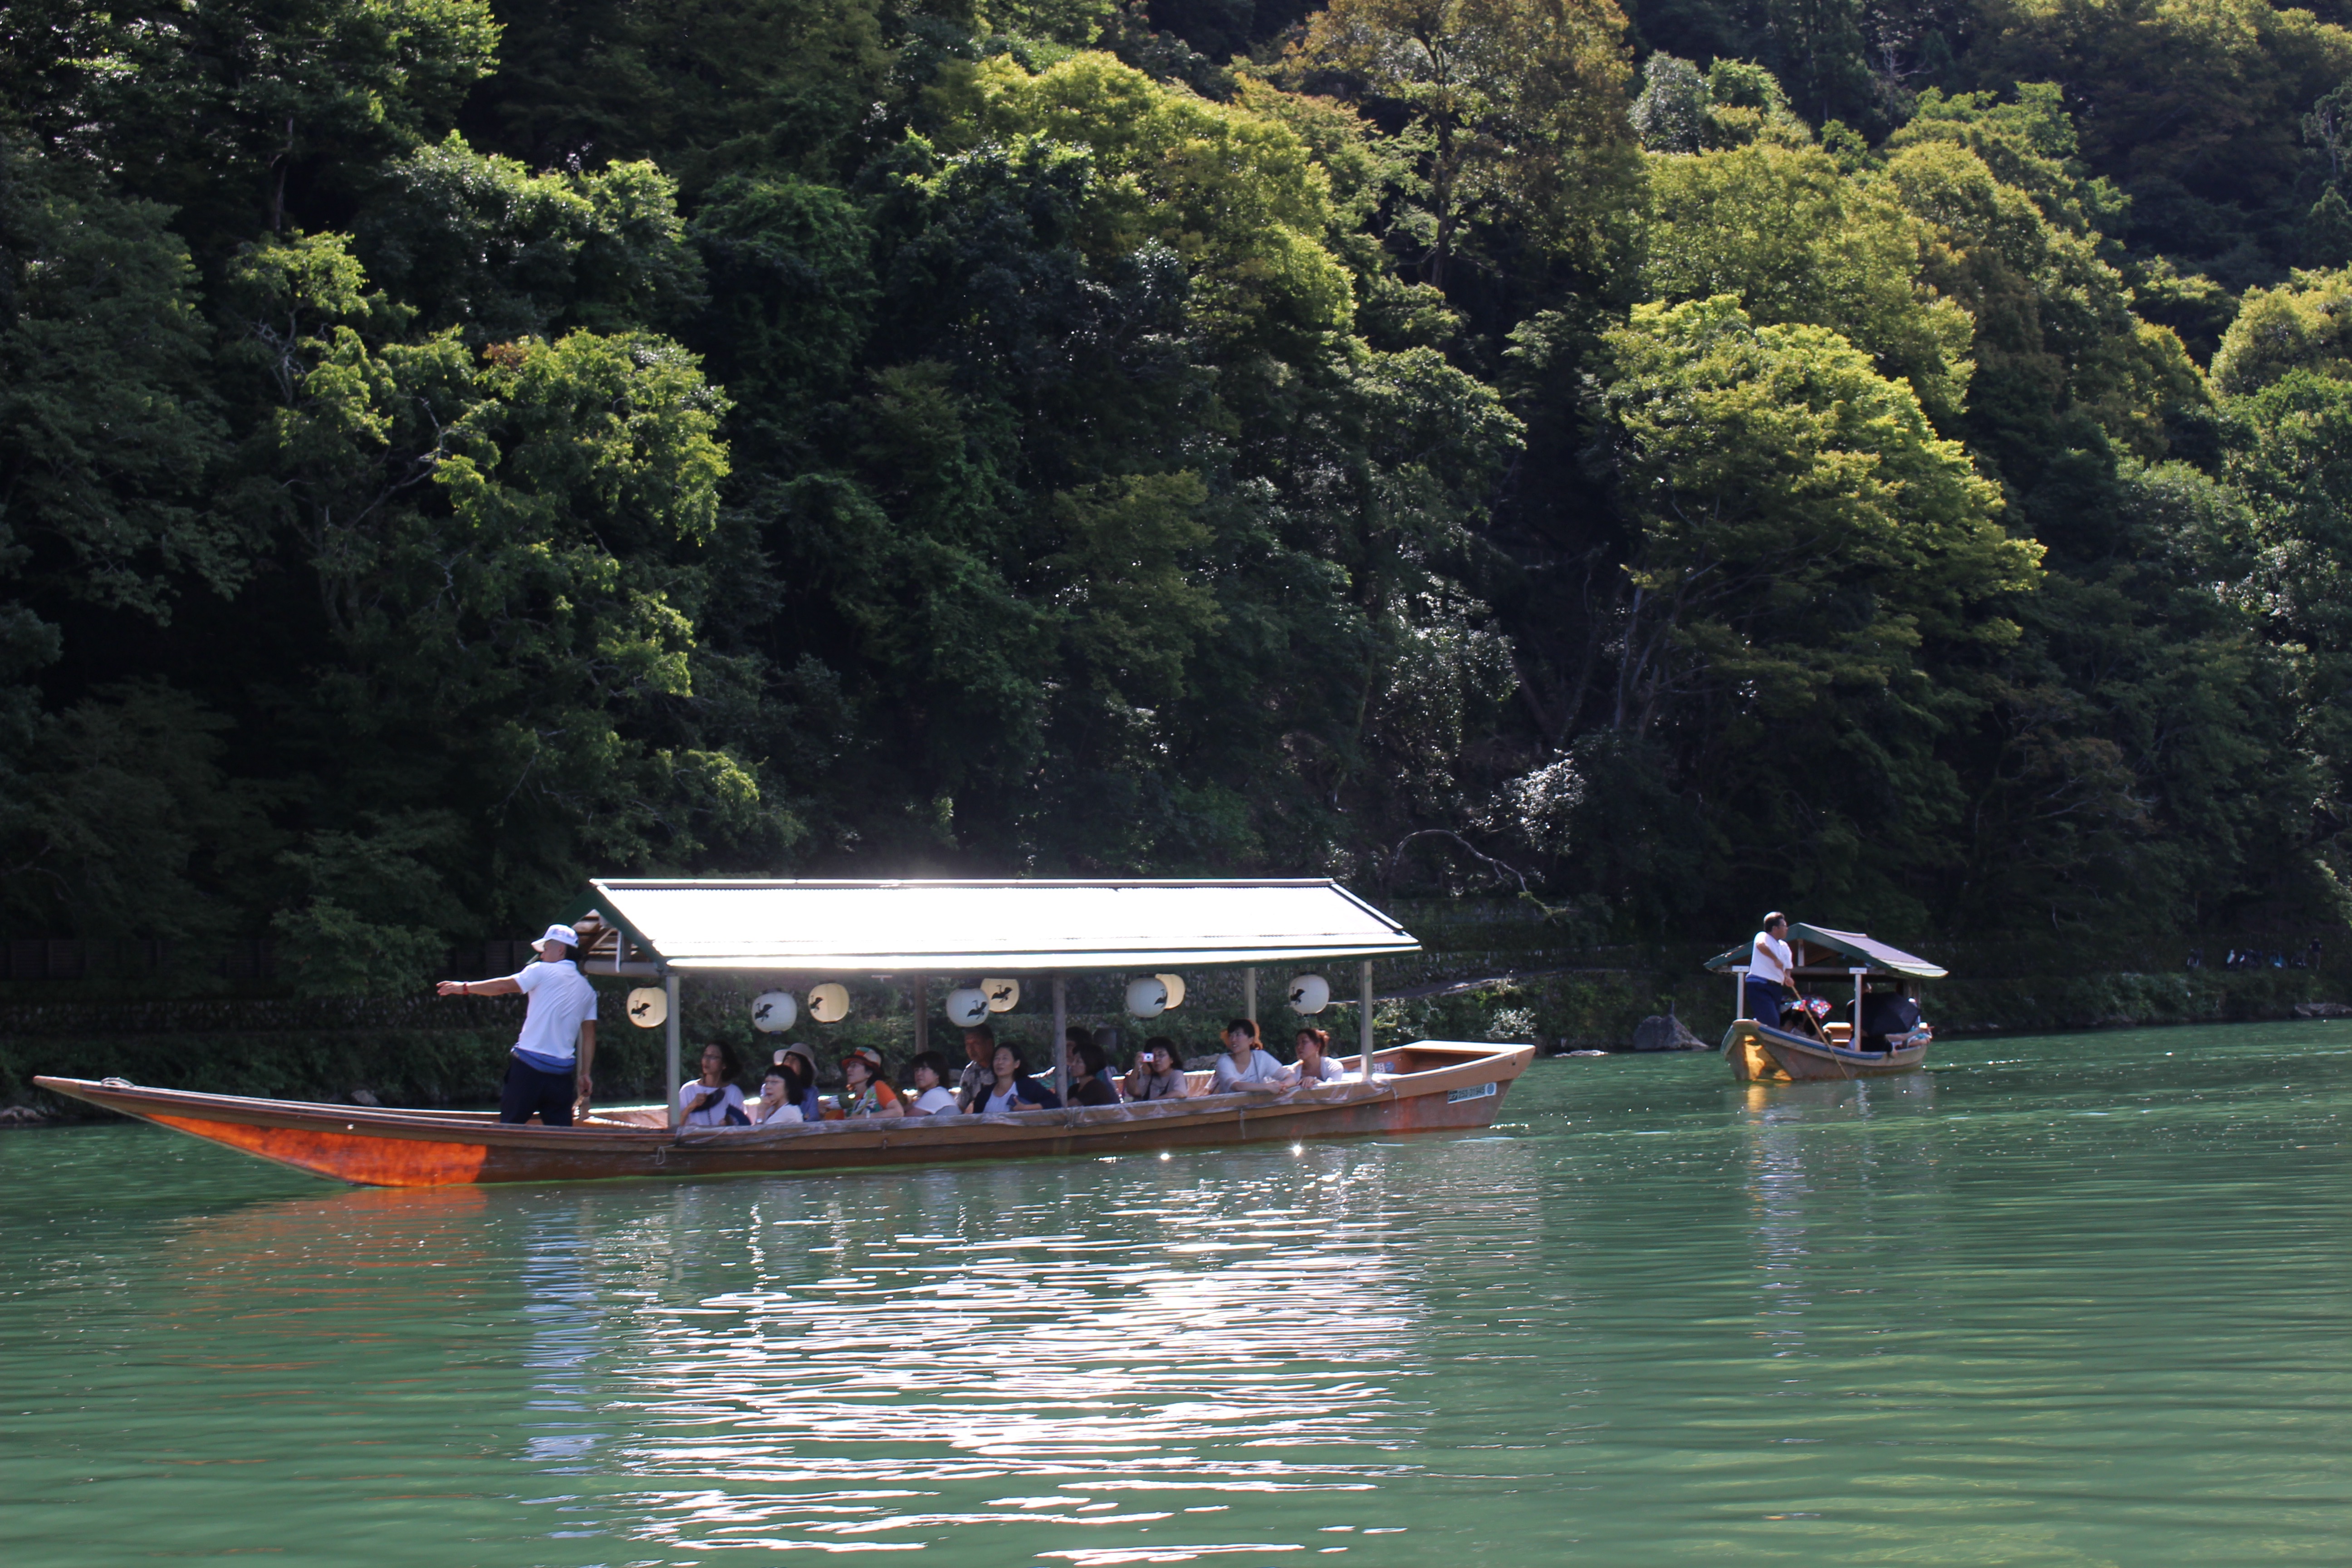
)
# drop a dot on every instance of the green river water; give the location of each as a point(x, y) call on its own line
point(2082, 1299)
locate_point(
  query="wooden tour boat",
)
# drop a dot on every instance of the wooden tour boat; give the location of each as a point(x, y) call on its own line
point(909, 932)
point(1759, 1053)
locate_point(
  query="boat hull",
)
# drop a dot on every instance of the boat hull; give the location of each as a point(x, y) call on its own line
point(1436, 1086)
point(1761, 1053)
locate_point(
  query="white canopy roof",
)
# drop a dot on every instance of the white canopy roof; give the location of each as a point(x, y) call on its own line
point(991, 927)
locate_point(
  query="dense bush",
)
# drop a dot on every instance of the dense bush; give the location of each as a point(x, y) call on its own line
point(451, 446)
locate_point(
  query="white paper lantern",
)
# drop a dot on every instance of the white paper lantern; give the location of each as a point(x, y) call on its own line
point(1309, 994)
point(967, 1005)
point(649, 1007)
point(772, 1011)
point(1003, 995)
point(1175, 984)
point(1147, 997)
point(829, 1003)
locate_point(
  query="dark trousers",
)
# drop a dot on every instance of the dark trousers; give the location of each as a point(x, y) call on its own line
point(526, 1089)
point(1764, 1001)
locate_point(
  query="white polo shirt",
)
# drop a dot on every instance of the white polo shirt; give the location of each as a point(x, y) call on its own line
point(561, 1000)
point(1770, 960)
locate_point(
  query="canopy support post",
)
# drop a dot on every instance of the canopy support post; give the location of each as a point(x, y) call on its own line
point(1364, 1021)
point(1249, 995)
point(669, 1049)
point(918, 993)
point(1855, 1039)
point(1738, 992)
point(1062, 1039)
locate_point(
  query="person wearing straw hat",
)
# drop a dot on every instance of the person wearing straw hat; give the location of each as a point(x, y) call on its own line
point(548, 1071)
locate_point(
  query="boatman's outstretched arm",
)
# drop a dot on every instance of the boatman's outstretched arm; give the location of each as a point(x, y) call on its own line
point(505, 987)
point(586, 1084)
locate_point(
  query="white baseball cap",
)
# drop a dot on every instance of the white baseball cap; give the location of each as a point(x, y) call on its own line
point(564, 934)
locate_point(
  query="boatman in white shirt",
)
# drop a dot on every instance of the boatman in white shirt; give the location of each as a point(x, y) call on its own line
point(1770, 971)
point(548, 1072)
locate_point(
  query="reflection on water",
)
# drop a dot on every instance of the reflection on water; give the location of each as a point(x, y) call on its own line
point(1112, 1360)
point(2077, 1302)
point(1819, 1156)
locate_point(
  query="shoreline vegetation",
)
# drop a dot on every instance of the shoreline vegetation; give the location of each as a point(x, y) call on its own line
point(1513, 985)
point(1653, 462)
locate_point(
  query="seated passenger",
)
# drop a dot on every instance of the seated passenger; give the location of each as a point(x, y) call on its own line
point(865, 1091)
point(712, 1100)
point(930, 1096)
point(1072, 1039)
point(980, 1049)
point(1246, 1064)
point(1011, 1089)
point(1315, 1064)
point(774, 1107)
point(1158, 1075)
point(1088, 1084)
point(800, 1062)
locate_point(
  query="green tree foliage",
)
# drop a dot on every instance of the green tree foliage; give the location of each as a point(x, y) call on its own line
point(710, 85)
point(1796, 240)
point(484, 244)
point(1812, 558)
point(447, 450)
point(108, 424)
point(1512, 107)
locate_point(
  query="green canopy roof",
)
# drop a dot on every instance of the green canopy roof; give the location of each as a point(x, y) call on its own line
point(1857, 949)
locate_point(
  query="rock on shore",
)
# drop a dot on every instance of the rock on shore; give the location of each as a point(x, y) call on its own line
point(1665, 1032)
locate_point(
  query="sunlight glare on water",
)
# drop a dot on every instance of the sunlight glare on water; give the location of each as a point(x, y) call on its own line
point(2074, 1300)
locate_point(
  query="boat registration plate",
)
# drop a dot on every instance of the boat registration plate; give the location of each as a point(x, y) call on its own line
point(1476, 1091)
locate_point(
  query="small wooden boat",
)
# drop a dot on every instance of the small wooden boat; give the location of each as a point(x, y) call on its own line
point(1826, 961)
point(908, 934)
point(1432, 1086)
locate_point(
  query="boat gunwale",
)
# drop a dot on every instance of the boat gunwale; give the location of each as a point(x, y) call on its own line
point(1845, 1055)
point(1477, 1064)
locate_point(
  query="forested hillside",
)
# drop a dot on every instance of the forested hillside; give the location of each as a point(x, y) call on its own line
point(1888, 460)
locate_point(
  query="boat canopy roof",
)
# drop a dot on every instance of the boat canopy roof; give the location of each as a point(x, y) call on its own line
point(977, 928)
point(1818, 947)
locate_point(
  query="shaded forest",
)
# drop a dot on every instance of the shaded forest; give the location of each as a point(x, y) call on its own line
point(1888, 460)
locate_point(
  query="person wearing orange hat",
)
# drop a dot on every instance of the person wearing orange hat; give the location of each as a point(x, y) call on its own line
point(866, 1091)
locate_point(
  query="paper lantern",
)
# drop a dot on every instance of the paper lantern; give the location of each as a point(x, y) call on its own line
point(1003, 995)
point(967, 1005)
point(649, 1007)
point(828, 1002)
point(1175, 984)
point(772, 1011)
point(1309, 994)
point(1147, 997)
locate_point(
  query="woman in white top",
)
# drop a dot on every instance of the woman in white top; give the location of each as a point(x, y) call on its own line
point(1246, 1064)
point(712, 1100)
point(1315, 1064)
point(930, 1096)
point(774, 1107)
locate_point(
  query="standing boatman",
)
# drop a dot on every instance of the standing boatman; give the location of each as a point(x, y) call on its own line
point(1771, 969)
point(548, 1072)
